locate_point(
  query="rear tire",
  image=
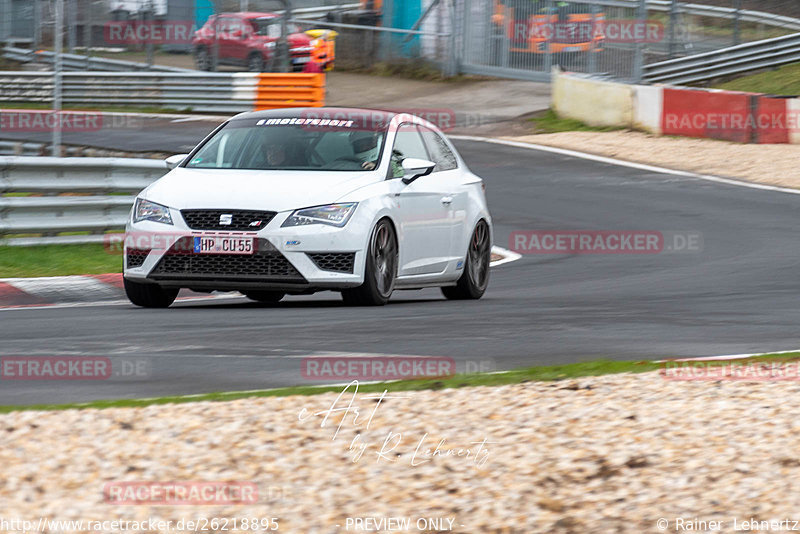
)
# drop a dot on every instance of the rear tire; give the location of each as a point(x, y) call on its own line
point(255, 63)
point(149, 295)
point(475, 278)
point(268, 297)
point(380, 269)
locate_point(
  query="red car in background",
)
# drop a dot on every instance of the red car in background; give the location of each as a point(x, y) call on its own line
point(248, 40)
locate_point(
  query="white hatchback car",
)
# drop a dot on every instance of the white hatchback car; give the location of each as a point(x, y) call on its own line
point(295, 201)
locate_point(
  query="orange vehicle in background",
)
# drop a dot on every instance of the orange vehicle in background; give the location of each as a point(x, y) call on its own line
point(568, 28)
point(324, 48)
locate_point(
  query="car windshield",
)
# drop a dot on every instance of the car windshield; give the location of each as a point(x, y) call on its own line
point(295, 143)
point(271, 26)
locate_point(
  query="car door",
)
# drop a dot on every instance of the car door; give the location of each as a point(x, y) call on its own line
point(227, 41)
point(450, 177)
point(237, 43)
point(424, 210)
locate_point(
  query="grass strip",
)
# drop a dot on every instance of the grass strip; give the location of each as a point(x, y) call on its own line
point(547, 373)
point(58, 260)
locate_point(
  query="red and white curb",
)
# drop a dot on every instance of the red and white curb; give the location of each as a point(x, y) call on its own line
point(71, 291)
point(107, 288)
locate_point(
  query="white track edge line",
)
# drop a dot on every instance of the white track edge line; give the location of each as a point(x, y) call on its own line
point(624, 163)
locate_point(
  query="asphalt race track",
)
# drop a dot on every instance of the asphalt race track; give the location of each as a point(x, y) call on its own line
point(739, 294)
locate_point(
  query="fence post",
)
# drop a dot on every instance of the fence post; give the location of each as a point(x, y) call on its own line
point(37, 24)
point(638, 60)
point(72, 20)
point(673, 21)
point(148, 46)
point(592, 47)
point(549, 28)
point(452, 58)
point(737, 38)
point(58, 37)
point(87, 31)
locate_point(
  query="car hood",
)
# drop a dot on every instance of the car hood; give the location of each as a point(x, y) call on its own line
point(185, 188)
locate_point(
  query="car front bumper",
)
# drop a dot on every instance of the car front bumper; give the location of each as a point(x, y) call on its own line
point(291, 259)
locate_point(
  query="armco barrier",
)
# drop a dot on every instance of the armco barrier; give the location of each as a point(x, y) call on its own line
point(289, 90)
point(201, 91)
point(99, 195)
point(683, 111)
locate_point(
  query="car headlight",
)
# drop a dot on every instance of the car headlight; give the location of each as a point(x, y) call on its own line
point(144, 210)
point(330, 214)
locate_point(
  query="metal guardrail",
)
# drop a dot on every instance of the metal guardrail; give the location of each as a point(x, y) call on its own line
point(75, 62)
point(224, 92)
point(726, 61)
point(97, 211)
point(702, 10)
point(21, 148)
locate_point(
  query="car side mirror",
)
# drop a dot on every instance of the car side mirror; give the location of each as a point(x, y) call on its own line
point(413, 168)
point(174, 161)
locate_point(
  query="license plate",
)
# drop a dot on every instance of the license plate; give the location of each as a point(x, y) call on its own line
point(224, 245)
point(572, 49)
point(303, 59)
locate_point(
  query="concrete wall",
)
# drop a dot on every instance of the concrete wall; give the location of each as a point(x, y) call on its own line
point(685, 111)
point(592, 101)
point(647, 105)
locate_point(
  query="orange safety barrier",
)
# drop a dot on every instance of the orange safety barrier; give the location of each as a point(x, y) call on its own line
point(289, 90)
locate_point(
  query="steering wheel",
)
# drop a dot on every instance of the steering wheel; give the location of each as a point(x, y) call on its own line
point(349, 158)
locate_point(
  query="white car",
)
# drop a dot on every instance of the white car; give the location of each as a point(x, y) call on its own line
point(295, 201)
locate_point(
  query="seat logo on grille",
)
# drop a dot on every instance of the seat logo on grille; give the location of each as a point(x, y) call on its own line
point(226, 219)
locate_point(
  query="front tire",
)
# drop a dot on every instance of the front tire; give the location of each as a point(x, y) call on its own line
point(380, 270)
point(202, 60)
point(255, 63)
point(149, 295)
point(475, 278)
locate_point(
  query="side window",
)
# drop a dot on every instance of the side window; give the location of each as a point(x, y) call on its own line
point(221, 152)
point(407, 144)
point(223, 26)
point(441, 154)
point(274, 30)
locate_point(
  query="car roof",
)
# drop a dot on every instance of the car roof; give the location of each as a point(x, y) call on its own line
point(284, 113)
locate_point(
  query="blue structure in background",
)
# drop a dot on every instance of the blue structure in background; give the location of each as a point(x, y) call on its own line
point(202, 10)
point(404, 14)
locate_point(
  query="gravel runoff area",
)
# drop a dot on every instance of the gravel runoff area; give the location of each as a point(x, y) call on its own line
point(614, 453)
point(704, 156)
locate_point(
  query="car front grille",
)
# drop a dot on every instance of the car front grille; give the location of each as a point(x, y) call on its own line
point(267, 264)
point(136, 257)
point(241, 220)
point(340, 262)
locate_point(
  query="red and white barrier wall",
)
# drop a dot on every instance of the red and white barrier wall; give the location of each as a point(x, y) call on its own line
point(683, 111)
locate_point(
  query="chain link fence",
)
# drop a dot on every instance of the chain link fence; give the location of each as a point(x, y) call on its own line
point(507, 38)
point(526, 38)
point(149, 32)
